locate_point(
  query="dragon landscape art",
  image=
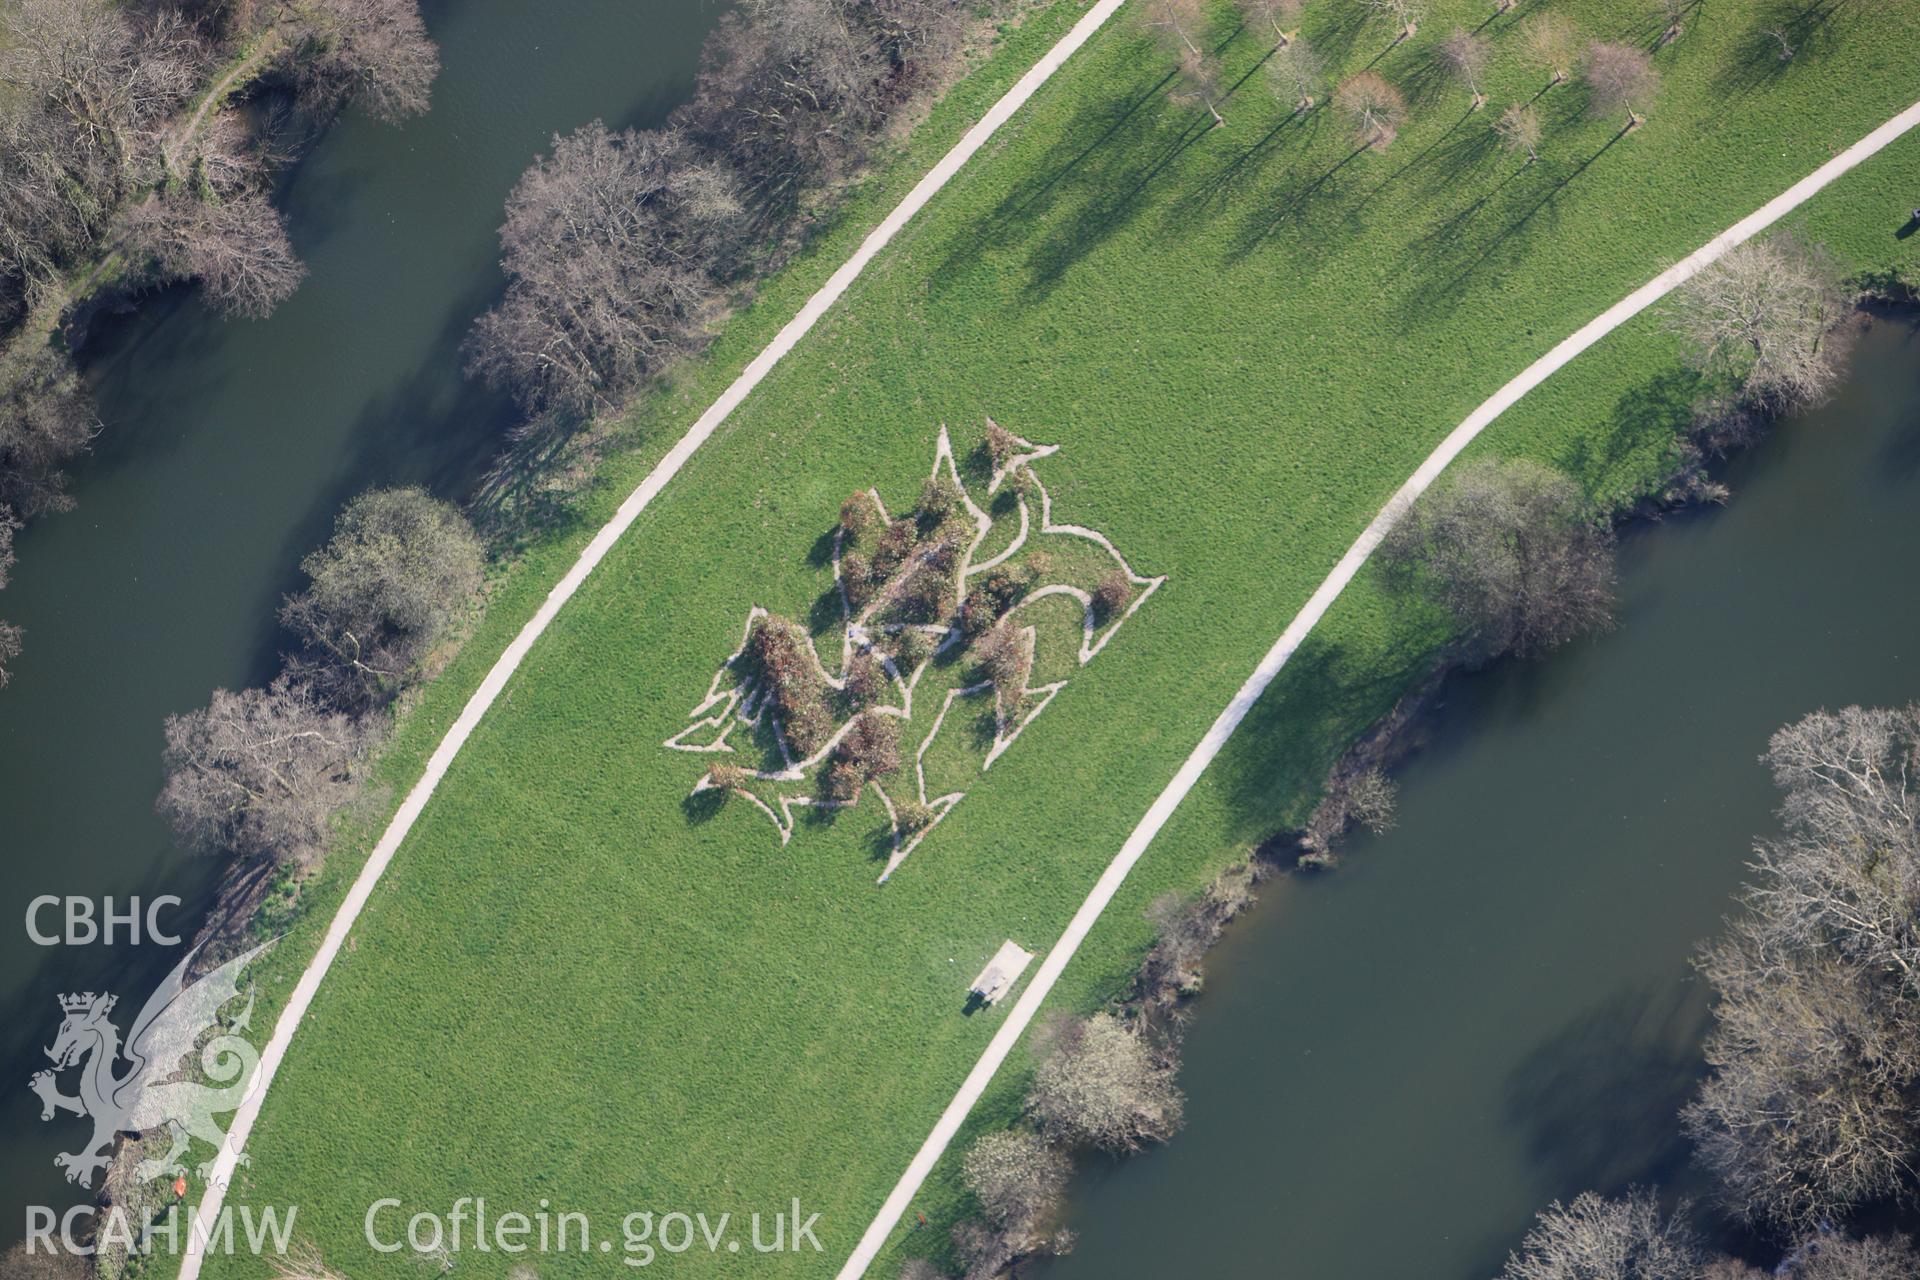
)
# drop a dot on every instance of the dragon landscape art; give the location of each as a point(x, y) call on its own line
point(957, 624)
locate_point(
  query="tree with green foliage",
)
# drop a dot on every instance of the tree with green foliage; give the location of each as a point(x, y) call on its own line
point(400, 569)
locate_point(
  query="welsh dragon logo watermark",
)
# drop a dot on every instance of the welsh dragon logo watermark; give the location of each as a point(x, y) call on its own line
point(140, 1084)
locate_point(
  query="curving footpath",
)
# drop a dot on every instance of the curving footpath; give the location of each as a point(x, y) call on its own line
point(509, 661)
point(1316, 607)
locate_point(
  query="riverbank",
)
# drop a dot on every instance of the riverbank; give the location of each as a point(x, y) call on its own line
point(230, 447)
point(1492, 1005)
point(555, 838)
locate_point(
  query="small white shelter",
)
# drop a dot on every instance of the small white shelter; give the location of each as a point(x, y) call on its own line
point(1008, 963)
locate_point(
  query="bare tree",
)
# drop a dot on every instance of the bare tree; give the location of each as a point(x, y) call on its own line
point(373, 52)
point(1846, 871)
point(1673, 14)
point(1519, 130)
point(1510, 550)
point(1598, 1239)
point(1815, 1051)
point(1762, 314)
point(9, 634)
point(1296, 74)
point(46, 1262)
point(301, 1261)
point(237, 248)
point(1552, 44)
point(44, 421)
point(1099, 1084)
point(1373, 107)
point(108, 73)
point(607, 247)
point(1403, 15)
point(1618, 75)
point(1199, 82)
point(85, 87)
point(259, 773)
point(1277, 15)
point(11, 639)
point(400, 568)
point(9, 525)
point(790, 91)
point(1805, 1112)
point(1017, 1176)
point(1178, 24)
point(1833, 1257)
point(1373, 801)
point(1465, 55)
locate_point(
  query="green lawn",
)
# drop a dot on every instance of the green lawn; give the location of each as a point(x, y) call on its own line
point(574, 986)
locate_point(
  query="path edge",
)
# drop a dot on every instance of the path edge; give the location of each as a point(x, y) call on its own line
point(947, 1127)
point(227, 1159)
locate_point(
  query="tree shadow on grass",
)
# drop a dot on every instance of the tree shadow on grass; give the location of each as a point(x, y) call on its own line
point(703, 806)
point(1104, 215)
point(1203, 197)
point(1783, 35)
point(1443, 235)
point(1459, 149)
point(1079, 161)
point(1335, 29)
point(1327, 695)
point(1449, 265)
point(1648, 418)
point(1427, 78)
point(1295, 209)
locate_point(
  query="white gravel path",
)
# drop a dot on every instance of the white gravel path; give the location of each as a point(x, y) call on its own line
point(509, 661)
point(1263, 675)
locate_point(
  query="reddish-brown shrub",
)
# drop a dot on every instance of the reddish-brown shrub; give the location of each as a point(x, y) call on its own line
point(871, 745)
point(1001, 445)
point(856, 578)
point(895, 544)
point(727, 777)
point(866, 680)
point(860, 515)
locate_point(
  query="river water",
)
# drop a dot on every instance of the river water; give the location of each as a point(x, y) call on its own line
point(1395, 1065)
point(228, 447)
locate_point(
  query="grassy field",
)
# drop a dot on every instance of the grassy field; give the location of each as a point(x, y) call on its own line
point(572, 986)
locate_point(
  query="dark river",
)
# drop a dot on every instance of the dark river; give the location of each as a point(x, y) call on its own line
point(1395, 1065)
point(228, 447)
